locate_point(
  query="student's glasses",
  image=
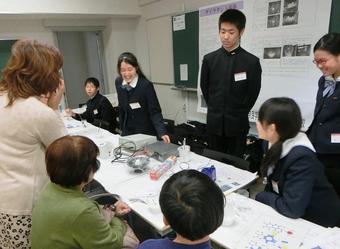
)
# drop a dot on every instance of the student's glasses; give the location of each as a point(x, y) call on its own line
point(319, 61)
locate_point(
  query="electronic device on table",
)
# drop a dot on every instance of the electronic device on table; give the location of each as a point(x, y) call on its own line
point(161, 151)
point(136, 141)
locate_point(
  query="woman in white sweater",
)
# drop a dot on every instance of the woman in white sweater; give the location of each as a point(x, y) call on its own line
point(30, 91)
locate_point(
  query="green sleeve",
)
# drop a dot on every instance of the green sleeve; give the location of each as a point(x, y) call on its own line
point(90, 230)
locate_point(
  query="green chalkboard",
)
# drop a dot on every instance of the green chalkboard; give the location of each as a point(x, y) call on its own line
point(334, 22)
point(5, 52)
point(185, 51)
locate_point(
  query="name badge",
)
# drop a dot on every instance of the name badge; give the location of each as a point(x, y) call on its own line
point(135, 105)
point(335, 138)
point(95, 111)
point(275, 186)
point(240, 76)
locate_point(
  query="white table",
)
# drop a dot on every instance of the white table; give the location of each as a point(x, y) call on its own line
point(247, 221)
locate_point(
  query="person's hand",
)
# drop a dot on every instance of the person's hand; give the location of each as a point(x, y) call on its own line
point(107, 213)
point(122, 208)
point(69, 112)
point(166, 138)
point(55, 97)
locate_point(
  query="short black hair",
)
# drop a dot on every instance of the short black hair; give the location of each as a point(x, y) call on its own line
point(330, 43)
point(192, 204)
point(233, 16)
point(71, 159)
point(92, 80)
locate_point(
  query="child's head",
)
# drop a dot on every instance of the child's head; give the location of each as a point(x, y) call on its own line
point(233, 16)
point(128, 67)
point(231, 25)
point(192, 204)
point(283, 114)
point(327, 54)
point(279, 119)
point(91, 86)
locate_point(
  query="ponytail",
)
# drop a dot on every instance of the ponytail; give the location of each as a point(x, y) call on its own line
point(271, 157)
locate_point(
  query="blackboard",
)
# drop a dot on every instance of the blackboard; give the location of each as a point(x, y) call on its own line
point(185, 45)
point(185, 51)
point(334, 22)
point(5, 52)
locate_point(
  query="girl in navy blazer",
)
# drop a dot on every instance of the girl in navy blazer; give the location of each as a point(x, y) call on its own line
point(139, 109)
point(324, 132)
point(296, 184)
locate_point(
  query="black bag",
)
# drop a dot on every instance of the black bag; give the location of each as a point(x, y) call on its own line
point(254, 153)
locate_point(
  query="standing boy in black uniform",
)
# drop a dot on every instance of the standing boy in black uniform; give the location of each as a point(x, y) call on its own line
point(230, 83)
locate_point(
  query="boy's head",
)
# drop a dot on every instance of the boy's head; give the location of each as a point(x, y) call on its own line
point(91, 86)
point(231, 26)
point(192, 204)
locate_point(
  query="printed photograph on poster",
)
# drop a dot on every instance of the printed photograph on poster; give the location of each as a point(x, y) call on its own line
point(272, 53)
point(273, 21)
point(290, 12)
point(290, 5)
point(289, 50)
point(274, 7)
point(290, 18)
point(303, 50)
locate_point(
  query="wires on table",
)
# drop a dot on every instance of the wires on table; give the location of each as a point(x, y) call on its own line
point(123, 152)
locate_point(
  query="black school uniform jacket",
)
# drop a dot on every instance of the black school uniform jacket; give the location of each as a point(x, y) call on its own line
point(230, 101)
point(146, 119)
point(100, 109)
point(326, 121)
point(303, 190)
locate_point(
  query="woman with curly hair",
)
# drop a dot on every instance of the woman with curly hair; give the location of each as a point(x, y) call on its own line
point(30, 91)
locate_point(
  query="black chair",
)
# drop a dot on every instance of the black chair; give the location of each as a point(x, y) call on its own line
point(226, 158)
point(95, 191)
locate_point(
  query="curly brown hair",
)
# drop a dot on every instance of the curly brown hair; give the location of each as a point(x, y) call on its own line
point(32, 70)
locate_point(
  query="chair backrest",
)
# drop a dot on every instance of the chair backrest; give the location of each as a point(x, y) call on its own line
point(226, 158)
point(95, 191)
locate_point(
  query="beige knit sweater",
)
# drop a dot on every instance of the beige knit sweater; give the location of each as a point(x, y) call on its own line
point(26, 129)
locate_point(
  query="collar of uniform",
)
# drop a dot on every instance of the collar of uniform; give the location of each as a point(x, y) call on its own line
point(95, 96)
point(133, 83)
point(233, 51)
point(330, 78)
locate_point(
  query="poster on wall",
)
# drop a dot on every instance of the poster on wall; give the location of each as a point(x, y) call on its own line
point(281, 33)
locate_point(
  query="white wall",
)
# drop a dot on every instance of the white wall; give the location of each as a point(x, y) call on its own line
point(175, 104)
point(43, 7)
point(33, 29)
point(124, 27)
point(118, 36)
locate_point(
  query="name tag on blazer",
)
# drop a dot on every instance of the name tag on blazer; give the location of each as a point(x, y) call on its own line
point(335, 138)
point(240, 76)
point(95, 111)
point(135, 105)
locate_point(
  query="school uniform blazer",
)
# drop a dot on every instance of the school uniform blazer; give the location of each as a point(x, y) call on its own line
point(146, 115)
point(229, 101)
point(326, 121)
point(99, 108)
point(304, 191)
